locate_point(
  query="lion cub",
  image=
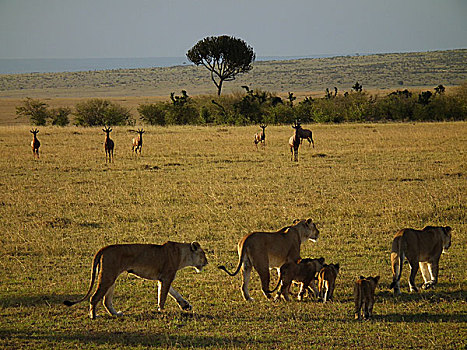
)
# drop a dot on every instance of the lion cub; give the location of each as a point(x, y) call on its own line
point(364, 295)
point(327, 281)
point(303, 272)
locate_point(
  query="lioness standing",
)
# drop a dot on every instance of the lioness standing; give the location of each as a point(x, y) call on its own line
point(148, 261)
point(263, 250)
point(421, 248)
point(364, 296)
point(327, 281)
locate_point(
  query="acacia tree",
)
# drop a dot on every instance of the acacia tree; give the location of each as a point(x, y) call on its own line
point(224, 56)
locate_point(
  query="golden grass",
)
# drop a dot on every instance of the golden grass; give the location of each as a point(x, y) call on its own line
point(360, 184)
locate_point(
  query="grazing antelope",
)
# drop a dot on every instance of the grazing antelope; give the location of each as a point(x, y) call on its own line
point(294, 142)
point(260, 137)
point(108, 144)
point(138, 141)
point(35, 144)
point(306, 134)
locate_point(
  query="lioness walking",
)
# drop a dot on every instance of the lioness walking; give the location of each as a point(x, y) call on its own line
point(422, 248)
point(263, 250)
point(149, 261)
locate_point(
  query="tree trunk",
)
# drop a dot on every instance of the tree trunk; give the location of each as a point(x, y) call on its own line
point(219, 88)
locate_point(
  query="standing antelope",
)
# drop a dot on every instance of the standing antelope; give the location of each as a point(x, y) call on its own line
point(260, 137)
point(306, 134)
point(294, 142)
point(108, 144)
point(138, 141)
point(35, 144)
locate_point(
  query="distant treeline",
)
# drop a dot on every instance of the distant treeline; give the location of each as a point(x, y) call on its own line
point(256, 106)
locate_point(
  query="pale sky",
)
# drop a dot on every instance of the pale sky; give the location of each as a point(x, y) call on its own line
point(169, 28)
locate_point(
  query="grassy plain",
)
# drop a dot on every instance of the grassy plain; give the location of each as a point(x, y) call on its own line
point(360, 185)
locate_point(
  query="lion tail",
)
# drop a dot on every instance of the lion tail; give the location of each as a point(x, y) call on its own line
point(95, 264)
point(240, 261)
point(277, 285)
point(397, 260)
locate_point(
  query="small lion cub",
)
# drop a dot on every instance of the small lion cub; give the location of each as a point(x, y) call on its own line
point(364, 296)
point(304, 272)
point(327, 281)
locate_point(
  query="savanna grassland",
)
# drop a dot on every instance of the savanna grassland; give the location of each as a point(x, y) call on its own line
point(361, 184)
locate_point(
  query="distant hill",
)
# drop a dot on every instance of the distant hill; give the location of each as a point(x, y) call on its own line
point(379, 71)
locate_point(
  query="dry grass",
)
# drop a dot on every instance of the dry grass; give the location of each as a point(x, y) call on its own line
point(360, 184)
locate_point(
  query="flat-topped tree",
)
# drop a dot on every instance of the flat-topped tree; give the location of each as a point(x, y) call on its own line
point(224, 56)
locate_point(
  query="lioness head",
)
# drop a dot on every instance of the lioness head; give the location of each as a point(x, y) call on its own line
point(198, 257)
point(446, 237)
point(307, 228)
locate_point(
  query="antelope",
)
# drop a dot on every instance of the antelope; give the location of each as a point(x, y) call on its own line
point(35, 144)
point(138, 141)
point(306, 134)
point(294, 142)
point(260, 137)
point(108, 144)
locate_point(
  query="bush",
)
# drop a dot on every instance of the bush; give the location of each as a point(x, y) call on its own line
point(281, 114)
point(182, 110)
point(397, 106)
point(426, 106)
point(182, 114)
point(252, 107)
point(153, 114)
point(59, 116)
point(101, 112)
point(35, 110)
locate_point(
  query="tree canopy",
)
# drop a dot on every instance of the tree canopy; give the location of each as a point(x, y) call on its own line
point(224, 56)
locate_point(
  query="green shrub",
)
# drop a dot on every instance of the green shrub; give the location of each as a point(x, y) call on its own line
point(426, 106)
point(35, 110)
point(397, 106)
point(153, 113)
point(281, 114)
point(101, 112)
point(254, 107)
point(59, 116)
